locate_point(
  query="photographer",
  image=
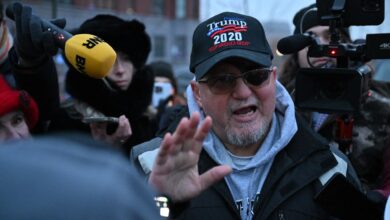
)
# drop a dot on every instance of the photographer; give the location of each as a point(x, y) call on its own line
point(370, 130)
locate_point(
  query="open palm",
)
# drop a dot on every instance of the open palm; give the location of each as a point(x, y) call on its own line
point(175, 171)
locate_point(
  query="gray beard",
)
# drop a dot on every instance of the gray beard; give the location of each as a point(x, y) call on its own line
point(247, 137)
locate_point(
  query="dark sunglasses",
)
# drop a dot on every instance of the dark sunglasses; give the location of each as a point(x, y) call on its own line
point(225, 83)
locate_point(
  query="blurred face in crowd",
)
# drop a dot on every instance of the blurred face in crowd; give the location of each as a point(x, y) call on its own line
point(122, 72)
point(241, 112)
point(165, 80)
point(13, 126)
point(323, 35)
point(161, 80)
point(162, 90)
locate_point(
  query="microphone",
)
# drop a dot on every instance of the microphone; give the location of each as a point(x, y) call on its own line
point(90, 55)
point(87, 53)
point(295, 43)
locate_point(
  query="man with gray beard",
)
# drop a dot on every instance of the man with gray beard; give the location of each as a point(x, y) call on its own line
point(241, 153)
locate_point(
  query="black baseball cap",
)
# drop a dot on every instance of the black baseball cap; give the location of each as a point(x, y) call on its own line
point(228, 35)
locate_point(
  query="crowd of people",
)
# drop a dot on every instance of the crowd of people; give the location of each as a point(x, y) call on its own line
point(234, 146)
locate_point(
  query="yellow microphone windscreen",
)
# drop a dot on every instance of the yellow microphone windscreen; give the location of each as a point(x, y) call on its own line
point(90, 55)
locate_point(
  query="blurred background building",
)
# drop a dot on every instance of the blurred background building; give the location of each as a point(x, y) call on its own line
point(170, 23)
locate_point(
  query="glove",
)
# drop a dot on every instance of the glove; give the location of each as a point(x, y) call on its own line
point(33, 44)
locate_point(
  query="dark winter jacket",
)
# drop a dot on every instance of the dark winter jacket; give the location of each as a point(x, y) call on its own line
point(42, 83)
point(288, 192)
point(133, 102)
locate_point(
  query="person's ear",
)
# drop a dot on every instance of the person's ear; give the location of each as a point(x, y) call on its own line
point(196, 92)
point(273, 73)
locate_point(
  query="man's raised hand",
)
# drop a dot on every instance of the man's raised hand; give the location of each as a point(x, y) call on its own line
point(175, 170)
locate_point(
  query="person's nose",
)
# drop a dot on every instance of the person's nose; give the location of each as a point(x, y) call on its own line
point(324, 39)
point(241, 89)
point(11, 133)
point(119, 68)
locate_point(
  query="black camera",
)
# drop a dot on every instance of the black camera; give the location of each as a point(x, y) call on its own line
point(351, 12)
point(343, 88)
point(329, 90)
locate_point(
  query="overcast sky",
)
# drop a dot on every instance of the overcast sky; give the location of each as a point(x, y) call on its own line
point(281, 11)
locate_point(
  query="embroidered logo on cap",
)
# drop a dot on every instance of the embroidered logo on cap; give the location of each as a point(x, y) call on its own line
point(228, 32)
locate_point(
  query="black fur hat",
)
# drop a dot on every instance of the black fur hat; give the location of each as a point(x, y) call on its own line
point(128, 37)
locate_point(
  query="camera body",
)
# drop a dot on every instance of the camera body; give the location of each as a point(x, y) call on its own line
point(331, 90)
point(351, 12)
point(344, 88)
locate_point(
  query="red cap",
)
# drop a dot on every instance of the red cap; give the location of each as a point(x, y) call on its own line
point(11, 100)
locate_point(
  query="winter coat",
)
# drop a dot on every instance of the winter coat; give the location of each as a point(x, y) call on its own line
point(42, 83)
point(133, 102)
point(289, 189)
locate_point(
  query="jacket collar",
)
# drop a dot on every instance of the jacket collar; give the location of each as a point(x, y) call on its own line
point(303, 148)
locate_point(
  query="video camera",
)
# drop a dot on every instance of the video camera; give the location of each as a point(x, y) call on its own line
point(343, 88)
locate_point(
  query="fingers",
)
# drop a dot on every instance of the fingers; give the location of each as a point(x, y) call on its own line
point(33, 42)
point(36, 33)
point(201, 134)
point(183, 138)
point(98, 130)
point(192, 125)
point(180, 131)
point(214, 175)
point(22, 16)
point(163, 152)
point(186, 128)
point(42, 39)
point(123, 132)
point(188, 136)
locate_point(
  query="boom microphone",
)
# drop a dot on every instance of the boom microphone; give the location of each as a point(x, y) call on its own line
point(295, 43)
point(87, 53)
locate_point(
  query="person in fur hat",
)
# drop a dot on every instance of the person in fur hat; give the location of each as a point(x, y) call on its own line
point(124, 94)
point(127, 90)
point(18, 113)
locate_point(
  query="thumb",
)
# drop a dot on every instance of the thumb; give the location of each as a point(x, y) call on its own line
point(59, 22)
point(214, 175)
